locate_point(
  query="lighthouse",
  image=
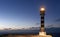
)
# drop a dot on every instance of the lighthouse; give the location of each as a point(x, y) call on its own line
point(42, 32)
point(42, 13)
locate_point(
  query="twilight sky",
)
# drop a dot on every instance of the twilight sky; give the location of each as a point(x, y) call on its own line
point(25, 13)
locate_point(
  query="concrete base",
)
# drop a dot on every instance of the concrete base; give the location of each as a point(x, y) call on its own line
point(43, 34)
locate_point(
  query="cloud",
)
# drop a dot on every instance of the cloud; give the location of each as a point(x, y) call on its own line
point(57, 20)
point(37, 24)
point(53, 25)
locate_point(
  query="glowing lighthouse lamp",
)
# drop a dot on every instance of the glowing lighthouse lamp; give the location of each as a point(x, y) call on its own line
point(42, 9)
point(42, 32)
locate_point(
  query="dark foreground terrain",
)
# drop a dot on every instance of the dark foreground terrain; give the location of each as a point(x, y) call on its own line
point(55, 32)
point(28, 35)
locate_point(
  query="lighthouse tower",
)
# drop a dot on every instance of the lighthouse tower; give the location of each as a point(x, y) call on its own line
point(42, 32)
